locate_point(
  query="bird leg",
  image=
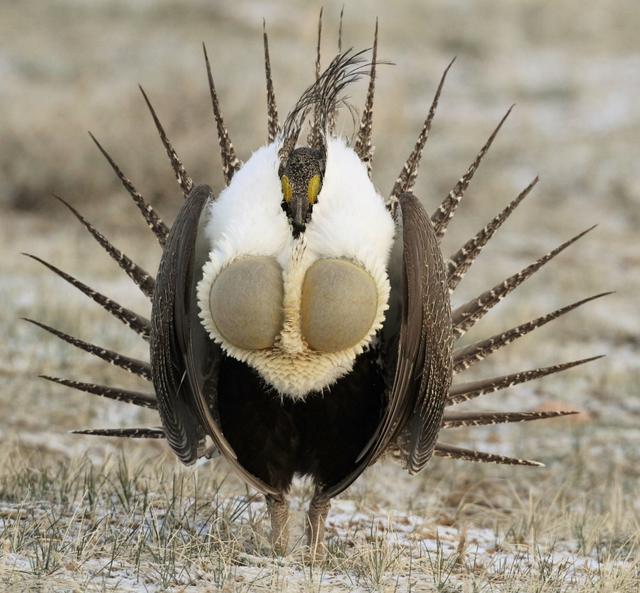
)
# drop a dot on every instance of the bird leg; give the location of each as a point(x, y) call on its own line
point(316, 518)
point(279, 512)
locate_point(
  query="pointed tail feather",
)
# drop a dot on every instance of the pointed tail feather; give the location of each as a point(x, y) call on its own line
point(409, 172)
point(467, 315)
point(487, 418)
point(460, 262)
point(137, 367)
point(465, 391)
point(364, 146)
point(272, 109)
point(230, 162)
point(136, 322)
point(463, 358)
point(136, 398)
point(129, 433)
point(443, 450)
point(443, 215)
point(143, 279)
point(154, 222)
point(184, 181)
point(313, 139)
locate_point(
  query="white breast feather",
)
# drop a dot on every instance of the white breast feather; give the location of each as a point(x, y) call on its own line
point(349, 221)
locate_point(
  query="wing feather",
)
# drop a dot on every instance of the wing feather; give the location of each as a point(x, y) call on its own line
point(175, 400)
point(185, 361)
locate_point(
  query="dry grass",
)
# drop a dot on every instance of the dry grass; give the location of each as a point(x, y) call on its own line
point(82, 514)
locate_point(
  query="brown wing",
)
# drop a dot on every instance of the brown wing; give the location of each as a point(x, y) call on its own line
point(422, 351)
point(182, 427)
point(427, 338)
point(184, 359)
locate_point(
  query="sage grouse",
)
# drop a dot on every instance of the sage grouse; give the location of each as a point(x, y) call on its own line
point(300, 323)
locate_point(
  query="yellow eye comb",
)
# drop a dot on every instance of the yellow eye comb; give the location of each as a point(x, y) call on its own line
point(313, 189)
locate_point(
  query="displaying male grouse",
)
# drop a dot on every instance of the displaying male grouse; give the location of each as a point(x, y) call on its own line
point(300, 322)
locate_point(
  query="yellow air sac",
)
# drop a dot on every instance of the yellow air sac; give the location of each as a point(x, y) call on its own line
point(246, 302)
point(339, 305)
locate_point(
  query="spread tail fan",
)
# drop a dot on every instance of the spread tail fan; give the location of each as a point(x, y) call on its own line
point(179, 344)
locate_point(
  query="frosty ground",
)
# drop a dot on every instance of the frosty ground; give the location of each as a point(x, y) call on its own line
point(79, 514)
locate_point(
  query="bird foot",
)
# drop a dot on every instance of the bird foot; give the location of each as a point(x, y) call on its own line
point(316, 519)
point(279, 512)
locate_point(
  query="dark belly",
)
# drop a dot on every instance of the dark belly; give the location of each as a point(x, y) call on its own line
point(275, 438)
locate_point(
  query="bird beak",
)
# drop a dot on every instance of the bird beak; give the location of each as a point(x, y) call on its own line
point(298, 214)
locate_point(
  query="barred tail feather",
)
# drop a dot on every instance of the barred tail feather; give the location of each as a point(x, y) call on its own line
point(443, 215)
point(129, 433)
point(463, 358)
point(136, 322)
point(443, 450)
point(465, 391)
point(364, 145)
point(333, 117)
point(315, 131)
point(144, 400)
point(142, 279)
point(488, 418)
point(230, 162)
point(406, 179)
point(460, 262)
point(137, 367)
point(272, 109)
point(154, 222)
point(184, 181)
point(467, 315)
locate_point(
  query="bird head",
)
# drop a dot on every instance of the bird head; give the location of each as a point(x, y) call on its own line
point(301, 178)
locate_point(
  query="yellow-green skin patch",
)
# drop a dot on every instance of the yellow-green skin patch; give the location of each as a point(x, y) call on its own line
point(246, 302)
point(338, 306)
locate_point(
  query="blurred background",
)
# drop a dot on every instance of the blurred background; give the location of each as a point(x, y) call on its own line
point(573, 71)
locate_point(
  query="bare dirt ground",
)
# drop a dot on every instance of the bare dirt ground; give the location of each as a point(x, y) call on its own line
point(86, 514)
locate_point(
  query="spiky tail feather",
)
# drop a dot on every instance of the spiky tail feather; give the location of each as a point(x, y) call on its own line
point(443, 215)
point(143, 280)
point(272, 110)
point(136, 322)
point(464, 358)
point(184, 181)
point(137, 367)
point(467, 315)
point(364, 143)
point(129, 433)
point(443, 450)
point(406, 179)
point(460, 262)
point(465, 391)
point(230, 162)
point(489, 418)
point(144, 400)
point(154, 222)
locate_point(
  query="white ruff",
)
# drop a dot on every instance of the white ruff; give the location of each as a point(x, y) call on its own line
point(349, 221)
